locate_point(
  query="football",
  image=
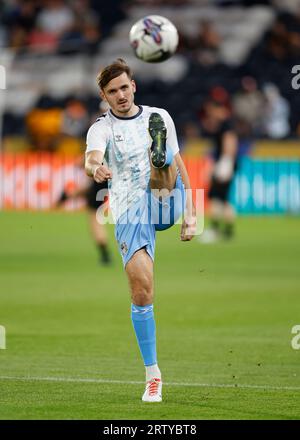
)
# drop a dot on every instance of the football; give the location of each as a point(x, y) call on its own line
point(153, 38)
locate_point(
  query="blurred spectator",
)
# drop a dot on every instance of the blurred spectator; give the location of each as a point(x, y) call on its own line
point(52, 26)
point(75, 119)
point(52, 128)
point(85, 33)
point(204, 45)
point(277, 112)
point(24, 15)
point(283, 42)
point(44, 128)
point(52, 22)
point(294, 43)
point(209, 42)
point(84, 36)
point(278, 42)
point(189, 140)
point(248, 108)
point(42, 42)
point(20, 18)
point(110, 13)
point(55, 18)
point(74, 124)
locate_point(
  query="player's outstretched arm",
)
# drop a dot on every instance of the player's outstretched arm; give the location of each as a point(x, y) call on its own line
point(189, 223)
point(94, 166)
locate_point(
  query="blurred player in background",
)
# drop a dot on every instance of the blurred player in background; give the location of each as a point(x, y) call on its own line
point(218, 125)
point(93, 202)
point(140, 149)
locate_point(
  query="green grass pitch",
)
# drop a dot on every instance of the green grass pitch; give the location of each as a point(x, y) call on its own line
point(224, 317)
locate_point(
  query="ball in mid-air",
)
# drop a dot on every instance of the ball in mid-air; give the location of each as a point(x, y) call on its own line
point(154, 39)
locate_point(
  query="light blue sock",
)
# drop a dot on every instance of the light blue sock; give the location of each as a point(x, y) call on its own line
point(144, 327)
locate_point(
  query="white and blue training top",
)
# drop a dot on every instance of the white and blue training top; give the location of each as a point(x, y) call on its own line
point(125, 143)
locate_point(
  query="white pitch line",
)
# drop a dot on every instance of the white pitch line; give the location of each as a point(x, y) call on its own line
point(130, 382)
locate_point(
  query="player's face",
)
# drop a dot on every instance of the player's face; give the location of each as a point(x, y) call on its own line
point(119, 93)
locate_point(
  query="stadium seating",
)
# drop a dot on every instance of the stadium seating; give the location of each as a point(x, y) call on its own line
point(243, 50)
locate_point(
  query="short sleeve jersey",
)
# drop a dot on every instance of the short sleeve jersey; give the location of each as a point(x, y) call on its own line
point(125, 144)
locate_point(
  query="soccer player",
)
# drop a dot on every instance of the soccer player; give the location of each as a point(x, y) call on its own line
point(217, 123)
point(94, 194)
point(135, 148)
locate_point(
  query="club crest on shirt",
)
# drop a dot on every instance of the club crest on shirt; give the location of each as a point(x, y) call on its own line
point(119, 138)
point(124, 248)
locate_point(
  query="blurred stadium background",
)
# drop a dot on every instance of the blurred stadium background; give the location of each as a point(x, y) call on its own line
point(53, 50)
point(238, 52)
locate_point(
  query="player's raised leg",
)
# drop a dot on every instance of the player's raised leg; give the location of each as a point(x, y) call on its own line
point(139, 270)
point(167, 173)
point(163, 168)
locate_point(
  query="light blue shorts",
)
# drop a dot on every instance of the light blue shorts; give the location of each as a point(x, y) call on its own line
point(136, 228)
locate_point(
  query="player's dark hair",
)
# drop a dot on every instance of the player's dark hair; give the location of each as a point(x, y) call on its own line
point(113, 71)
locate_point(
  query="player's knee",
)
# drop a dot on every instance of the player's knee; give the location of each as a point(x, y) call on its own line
point(142, 298)
point(141, 290)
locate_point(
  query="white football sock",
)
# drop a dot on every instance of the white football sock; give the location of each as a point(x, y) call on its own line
point(152, 372)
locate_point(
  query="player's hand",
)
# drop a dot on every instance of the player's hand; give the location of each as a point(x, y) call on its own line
point(188, 229)
point(102, 173)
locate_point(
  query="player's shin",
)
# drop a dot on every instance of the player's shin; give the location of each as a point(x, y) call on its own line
point(144, 327)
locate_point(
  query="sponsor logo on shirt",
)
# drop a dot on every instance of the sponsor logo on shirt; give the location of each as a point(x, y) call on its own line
point(119, 138)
